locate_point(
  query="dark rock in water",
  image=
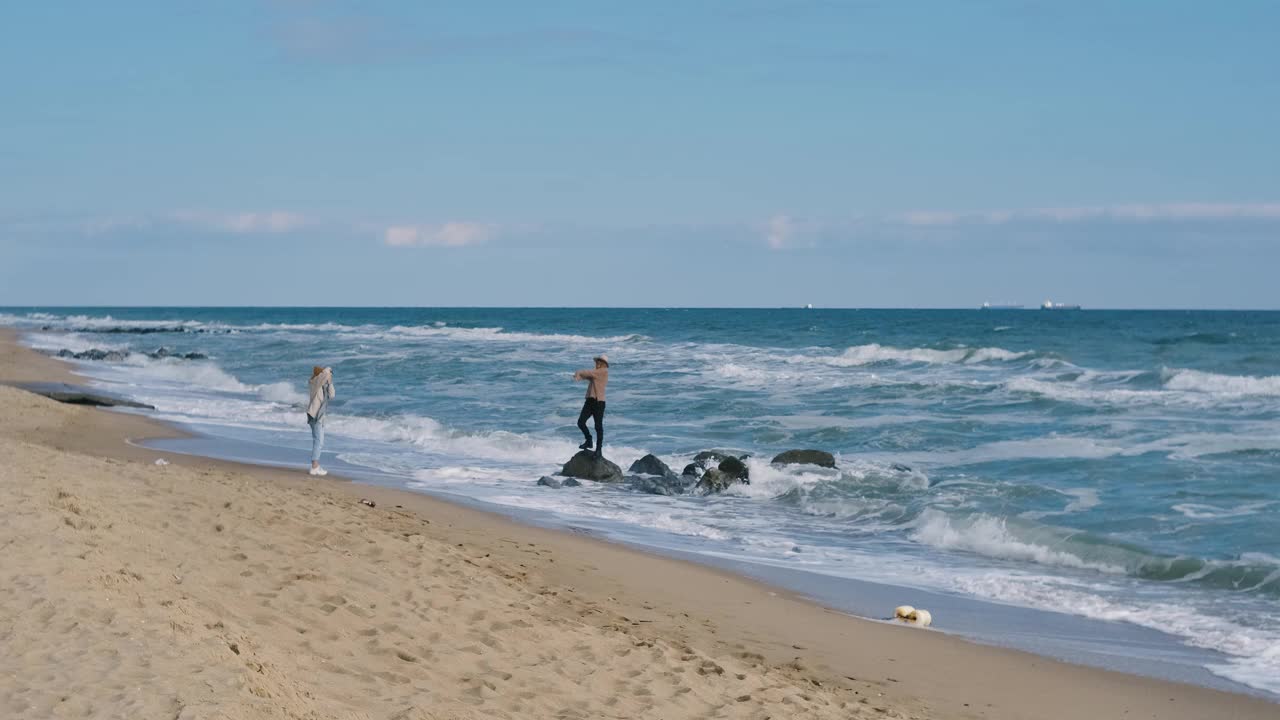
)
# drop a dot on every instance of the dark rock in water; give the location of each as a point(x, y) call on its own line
point(77, 395)
point(586, 466)
point(693, 470)
point(659, 484)
point(734, 469)
point(554, 482)
point(164, 352)
point(821, 458)
point(95, 354)
point(714, 481)
point(899, 467)
point(650, 465)
point(98, 355)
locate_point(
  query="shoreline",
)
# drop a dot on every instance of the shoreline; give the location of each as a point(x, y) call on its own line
point(718, 613)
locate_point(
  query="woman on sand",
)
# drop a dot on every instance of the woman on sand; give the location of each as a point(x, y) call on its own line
point(596, 379)
point(322, 392)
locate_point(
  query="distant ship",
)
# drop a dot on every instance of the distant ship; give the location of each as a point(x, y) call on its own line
point(1051, 305)
point(989, 306)
point(809, 306)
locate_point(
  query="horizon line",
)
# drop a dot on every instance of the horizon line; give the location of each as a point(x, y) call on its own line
point(1027, 308)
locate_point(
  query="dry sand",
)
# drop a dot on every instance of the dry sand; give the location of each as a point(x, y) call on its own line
point(204, 589)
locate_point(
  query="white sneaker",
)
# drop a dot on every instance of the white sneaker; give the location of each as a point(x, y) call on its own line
point(319, 471)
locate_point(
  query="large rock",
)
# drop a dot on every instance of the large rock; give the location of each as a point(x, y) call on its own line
point(660, 484)
point(734, 469)
point(650, 465)
point(821, 458)
point(692, 470)
point(586, 466)
point(714, 481)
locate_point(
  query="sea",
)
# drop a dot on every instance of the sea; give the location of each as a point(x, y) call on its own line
point(1097, 486)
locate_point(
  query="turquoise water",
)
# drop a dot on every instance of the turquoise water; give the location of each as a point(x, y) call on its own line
point(1121, 466)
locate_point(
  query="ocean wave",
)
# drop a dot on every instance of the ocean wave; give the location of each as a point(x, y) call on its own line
point(497, 334)
point(529, 453)
point(1008, 539)
point(1204, 511)
point(1081, 393)
point(283, 393)
point(843, 492)
point(996, 537)
point(1249, 642)
point(196, 375)
point(1197, 381)
point(860, 355)
point(73, 342)
point(1200, 338)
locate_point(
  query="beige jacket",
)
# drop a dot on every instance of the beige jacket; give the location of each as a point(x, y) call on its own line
point(322, 392)
point(597, 380)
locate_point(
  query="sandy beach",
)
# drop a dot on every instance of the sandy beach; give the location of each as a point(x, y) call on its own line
point(206, 589)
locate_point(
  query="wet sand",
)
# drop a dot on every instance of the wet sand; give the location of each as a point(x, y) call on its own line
point(207, 589)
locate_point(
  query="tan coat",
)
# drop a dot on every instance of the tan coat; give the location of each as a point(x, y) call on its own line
point(322, 391)
point(597, 380)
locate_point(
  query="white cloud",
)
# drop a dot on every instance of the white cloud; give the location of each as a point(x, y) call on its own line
point(450, 234)
point(243, 223)
point(276, 221)
point(780, 231)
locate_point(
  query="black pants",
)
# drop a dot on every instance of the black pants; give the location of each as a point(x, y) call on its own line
point(593, 408)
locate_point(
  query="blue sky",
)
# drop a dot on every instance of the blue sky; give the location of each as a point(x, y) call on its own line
point(852, 154)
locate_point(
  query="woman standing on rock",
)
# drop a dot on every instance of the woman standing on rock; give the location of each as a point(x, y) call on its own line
point(322, 391)
point(596, 379)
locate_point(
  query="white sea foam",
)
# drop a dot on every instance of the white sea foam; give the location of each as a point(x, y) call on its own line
point(283, 393)
point(1213, 383)
point(1204, 511)
point(200, 375)
point(1076, 392)
point(1253, 651)
point(497, 334)
point(75, 342)
point(873, 353)
point(1082, 499)
point(105, 322)
point(769, 481)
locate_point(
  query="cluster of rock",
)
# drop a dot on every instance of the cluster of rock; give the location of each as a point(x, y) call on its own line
point(120, 355)
point(712, 471)
point(144, 330)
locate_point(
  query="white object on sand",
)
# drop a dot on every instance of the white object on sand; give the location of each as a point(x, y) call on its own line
point(923, 618)
point(162, 462)
point(912, 616)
